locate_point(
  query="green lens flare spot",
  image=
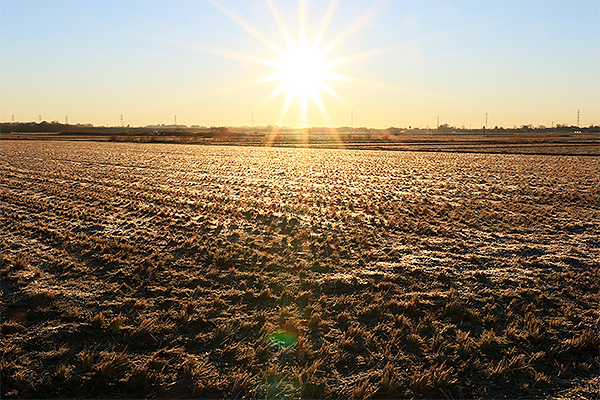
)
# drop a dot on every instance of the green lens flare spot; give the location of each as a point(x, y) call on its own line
point(282, 339)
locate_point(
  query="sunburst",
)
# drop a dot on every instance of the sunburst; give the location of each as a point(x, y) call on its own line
point(303, 68)
point(303, 71)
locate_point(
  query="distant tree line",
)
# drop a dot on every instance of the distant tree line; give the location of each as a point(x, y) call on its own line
point(446, 128)
point(229, 132)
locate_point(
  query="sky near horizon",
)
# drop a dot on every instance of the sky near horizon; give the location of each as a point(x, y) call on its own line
point(227, 63)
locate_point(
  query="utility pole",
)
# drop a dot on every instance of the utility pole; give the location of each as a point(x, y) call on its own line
point(578, 118)
point(121, 120)
point(40, 117)
point(176, 121)
point(485, 120)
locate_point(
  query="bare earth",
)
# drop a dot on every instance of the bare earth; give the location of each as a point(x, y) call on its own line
point(165, 270)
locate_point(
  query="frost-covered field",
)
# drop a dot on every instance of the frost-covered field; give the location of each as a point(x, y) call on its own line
point(153, 270)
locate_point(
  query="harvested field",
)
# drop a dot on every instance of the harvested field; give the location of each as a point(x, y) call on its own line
point(173, 271)
point(573, 143)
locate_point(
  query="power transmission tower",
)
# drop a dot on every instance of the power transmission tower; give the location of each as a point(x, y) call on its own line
point(578, 118)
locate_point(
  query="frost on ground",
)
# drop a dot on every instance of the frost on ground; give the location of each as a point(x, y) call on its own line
point(150, 270)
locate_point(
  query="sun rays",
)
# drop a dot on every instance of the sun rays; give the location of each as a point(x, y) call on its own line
point(303, 68)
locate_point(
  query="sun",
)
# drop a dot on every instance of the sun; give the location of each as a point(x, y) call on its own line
point(303, 71)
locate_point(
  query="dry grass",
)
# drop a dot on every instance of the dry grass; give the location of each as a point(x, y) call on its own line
point(134, 270)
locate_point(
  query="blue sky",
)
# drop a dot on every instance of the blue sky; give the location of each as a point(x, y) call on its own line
point(522, 62)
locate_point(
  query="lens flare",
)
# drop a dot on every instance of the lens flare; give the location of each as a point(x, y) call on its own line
point(282, 339)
